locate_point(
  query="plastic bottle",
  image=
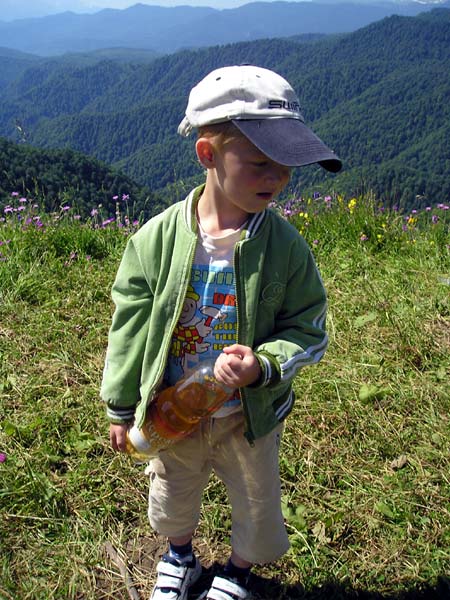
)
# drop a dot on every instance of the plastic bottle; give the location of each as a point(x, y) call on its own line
point(176, 411)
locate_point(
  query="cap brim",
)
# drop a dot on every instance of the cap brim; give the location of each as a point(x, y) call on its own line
point(288, 142)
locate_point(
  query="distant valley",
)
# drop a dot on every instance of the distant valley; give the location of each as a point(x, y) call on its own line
point(378, 96)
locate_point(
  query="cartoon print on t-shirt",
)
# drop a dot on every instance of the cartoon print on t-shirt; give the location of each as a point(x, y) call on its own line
point(191, 331)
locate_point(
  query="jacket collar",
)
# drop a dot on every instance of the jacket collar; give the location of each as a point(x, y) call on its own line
point(254, 224)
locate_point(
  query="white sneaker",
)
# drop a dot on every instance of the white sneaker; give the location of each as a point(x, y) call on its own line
point(175, 578)
point(226, 589)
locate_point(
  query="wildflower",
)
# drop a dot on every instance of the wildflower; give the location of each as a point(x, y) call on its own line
point(8, 209)
point(14, 194)
point(125, 197)
point(65, 208)
point(2, 457)
point(434, 219)
point(23, 200)
point(351, 205)
point(94, 212)
point(428, 208)
point(315, 242)
point(108, 221)
point(115, 197)
point(363, 237)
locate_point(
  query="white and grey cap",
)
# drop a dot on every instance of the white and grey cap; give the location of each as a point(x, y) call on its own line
point(265, 108)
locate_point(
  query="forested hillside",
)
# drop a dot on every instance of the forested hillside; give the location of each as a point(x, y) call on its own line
point(58, 178)
point(378, 96)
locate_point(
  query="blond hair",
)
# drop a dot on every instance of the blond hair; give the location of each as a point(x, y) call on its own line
point(220, 132)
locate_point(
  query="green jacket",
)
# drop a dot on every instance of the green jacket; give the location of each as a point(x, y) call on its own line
point(281, 310)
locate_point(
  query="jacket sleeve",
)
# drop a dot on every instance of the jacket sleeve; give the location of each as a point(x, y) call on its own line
point(299, 337)
point(133, 301)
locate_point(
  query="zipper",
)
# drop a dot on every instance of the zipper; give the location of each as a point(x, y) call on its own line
point(237, 252)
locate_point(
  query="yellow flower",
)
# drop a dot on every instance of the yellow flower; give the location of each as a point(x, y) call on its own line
point(351, 205)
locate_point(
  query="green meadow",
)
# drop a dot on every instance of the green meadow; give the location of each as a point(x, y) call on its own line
point(365, 459)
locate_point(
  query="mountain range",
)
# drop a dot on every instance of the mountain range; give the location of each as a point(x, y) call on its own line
point(168, 29)
point(378, 96)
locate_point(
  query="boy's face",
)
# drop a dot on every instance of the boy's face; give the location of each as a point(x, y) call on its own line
point(245, 177)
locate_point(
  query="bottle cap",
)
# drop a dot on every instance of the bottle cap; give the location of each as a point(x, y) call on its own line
point(140, 442)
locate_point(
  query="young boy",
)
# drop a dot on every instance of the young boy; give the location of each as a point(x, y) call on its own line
point(220, 275)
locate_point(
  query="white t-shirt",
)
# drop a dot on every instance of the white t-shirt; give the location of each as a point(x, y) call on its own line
point(208, 320)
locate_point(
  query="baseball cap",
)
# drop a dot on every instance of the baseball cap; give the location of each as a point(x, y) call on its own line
point(265, 108)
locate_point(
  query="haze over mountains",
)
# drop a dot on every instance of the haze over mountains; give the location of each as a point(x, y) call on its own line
point(20, 9)
point(166, 30)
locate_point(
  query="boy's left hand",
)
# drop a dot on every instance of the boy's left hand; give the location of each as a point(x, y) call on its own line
point(237, 366)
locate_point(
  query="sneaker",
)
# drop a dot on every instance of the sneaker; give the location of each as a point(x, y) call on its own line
point(175, 578)
point(226, 589)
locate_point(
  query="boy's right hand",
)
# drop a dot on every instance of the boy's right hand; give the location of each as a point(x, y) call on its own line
point(118, 436)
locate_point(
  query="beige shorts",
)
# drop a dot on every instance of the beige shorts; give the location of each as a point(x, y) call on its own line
point(251, 476)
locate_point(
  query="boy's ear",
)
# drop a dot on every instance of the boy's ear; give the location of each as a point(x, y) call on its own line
point(205, 152)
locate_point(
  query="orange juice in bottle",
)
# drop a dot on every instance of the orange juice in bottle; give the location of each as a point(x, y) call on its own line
point(176, 411)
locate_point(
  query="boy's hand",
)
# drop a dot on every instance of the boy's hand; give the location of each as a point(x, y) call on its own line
point(237, 366)
point(118, 436)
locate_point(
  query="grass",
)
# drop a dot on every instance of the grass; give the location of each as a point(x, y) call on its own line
point(365, 457)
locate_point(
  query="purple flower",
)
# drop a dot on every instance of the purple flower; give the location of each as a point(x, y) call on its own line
point(65, 208)
point(14, 193)
point(125, 197)
point(94, 212)
point(2, 457)
point(115, 197)
point(434, 219)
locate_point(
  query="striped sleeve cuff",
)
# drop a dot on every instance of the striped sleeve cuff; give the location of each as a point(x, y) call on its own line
point(270, 370)
point(120, 415)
